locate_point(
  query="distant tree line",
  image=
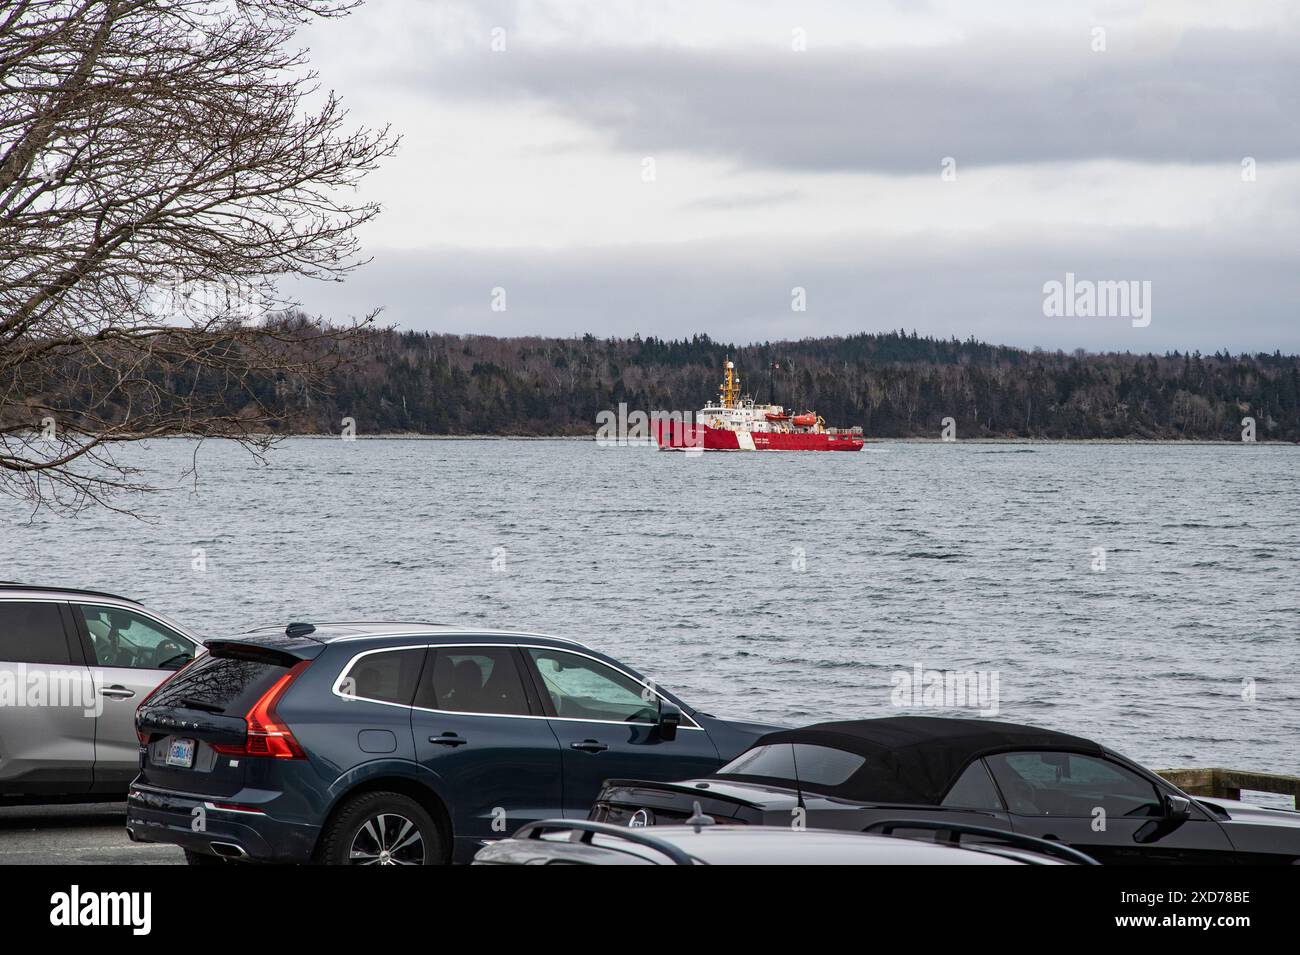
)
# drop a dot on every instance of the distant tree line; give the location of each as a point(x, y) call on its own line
point(894, 384)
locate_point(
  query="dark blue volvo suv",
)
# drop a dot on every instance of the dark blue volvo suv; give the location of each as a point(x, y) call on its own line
point(398, 744)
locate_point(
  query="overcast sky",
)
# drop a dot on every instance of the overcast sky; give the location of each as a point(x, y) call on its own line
point(680, 167)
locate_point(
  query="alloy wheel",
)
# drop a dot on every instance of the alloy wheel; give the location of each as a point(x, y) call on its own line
point(387, 838)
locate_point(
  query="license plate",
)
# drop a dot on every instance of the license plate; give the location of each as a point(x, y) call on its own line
point(181, 753)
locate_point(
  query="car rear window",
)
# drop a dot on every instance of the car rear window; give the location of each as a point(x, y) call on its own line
point(32, 633)
point(813, 766)
point(219, 684)
point(767, 762)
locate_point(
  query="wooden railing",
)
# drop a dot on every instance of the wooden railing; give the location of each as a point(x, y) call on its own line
point(1228, 783)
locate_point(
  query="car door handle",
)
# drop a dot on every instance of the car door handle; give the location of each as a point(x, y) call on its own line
point(448, 739)
point(589, 746)
point(117, 692)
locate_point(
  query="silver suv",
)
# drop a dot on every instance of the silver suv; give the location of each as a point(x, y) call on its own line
point(74, 664)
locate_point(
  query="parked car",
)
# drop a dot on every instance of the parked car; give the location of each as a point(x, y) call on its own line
point(702, 842)
point(398, 743)
point(1035, 782)
point(78, 662)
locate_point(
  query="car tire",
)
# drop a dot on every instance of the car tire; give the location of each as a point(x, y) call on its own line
point(381, 828)
point(203, 858)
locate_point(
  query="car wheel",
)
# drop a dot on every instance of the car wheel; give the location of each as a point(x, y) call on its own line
point(203, 858)
point(381, 829)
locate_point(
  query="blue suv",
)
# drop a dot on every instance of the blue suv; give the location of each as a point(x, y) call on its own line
point(398, 744)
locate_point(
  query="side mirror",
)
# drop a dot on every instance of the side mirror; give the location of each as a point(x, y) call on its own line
point(670, 717)
point(1178, 807)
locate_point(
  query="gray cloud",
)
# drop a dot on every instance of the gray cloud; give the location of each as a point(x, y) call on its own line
point(1037, 101)
point(749, 200)
point(1213, 96)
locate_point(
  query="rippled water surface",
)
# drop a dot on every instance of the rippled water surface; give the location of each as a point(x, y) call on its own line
point(966, 556)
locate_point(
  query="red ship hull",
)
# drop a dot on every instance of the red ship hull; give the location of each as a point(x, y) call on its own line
point(675, 436)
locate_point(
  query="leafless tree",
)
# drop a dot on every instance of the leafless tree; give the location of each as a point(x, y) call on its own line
point(164, 164)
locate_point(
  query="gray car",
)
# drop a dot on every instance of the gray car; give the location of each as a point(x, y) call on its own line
point(704, 842)
point(74, 664)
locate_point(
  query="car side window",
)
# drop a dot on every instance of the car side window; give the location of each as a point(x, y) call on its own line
point(583, 689)
point(386, 677)
point(473, 680)
point(32, 632)
point(973, 790)
point(1070, 784)
point(124, 638)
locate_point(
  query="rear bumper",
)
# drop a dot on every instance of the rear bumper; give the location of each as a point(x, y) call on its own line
point(199, 823)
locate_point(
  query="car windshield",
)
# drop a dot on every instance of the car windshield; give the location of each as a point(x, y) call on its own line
point(809, 765)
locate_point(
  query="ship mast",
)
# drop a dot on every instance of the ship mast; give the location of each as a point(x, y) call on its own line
point(729, 390)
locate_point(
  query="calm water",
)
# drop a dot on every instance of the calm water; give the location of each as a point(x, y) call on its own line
point(949, 556)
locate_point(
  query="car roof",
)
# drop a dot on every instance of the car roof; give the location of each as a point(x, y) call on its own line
point(916, 759)
point(779, 845)
point(902, 732)
point(10, 588)
point(336, 631)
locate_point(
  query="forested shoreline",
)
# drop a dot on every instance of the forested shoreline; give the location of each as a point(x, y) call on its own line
point(894, 385)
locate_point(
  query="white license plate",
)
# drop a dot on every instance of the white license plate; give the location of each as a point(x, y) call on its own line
point(181, 753)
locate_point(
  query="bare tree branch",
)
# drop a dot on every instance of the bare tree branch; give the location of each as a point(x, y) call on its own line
point(163, 165)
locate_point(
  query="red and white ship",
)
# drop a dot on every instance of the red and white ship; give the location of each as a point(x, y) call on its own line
point(733, 423)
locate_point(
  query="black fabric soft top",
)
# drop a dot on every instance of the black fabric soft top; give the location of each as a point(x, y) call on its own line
point(916, 759)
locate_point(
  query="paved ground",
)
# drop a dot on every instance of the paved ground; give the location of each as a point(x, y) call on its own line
point(90, 834)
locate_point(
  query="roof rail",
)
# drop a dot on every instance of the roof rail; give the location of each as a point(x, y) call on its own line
point(956, 830)
point(15, 585)
point(584, 831)
point(451, 629)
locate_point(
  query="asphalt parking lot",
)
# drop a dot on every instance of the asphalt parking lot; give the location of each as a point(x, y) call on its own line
point(87, 834)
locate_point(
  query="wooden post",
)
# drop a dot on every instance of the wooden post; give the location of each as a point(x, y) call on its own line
point(1228, 783)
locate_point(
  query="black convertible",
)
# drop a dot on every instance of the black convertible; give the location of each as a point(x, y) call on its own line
point(864, 774)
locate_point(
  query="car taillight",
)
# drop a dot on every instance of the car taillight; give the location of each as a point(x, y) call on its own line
point(237, 807)
point(268, 736)
point(142, 736)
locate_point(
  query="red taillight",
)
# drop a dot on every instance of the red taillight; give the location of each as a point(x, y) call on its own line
point(267, 736)
point(237, 807)
point(142, 736)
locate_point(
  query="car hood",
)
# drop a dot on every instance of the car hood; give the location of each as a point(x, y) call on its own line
point(1235, 812)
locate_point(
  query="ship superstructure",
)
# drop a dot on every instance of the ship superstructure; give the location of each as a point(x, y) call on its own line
point(737, 423)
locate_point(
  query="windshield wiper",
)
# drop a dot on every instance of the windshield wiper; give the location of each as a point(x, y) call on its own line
point(200, 705)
